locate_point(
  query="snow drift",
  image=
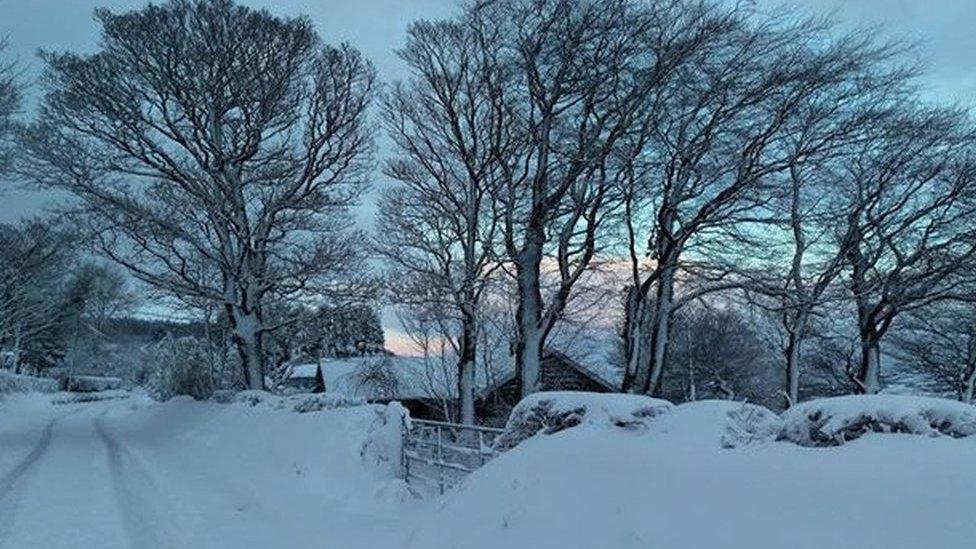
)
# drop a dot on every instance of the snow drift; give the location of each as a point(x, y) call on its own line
point(711, 474)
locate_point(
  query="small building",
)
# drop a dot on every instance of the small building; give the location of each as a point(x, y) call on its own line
point(427, 386)
point(306, 378)
point(558, 372)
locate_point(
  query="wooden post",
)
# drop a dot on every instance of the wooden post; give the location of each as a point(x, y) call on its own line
point(440, 462)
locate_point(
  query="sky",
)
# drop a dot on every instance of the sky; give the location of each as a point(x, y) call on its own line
point(944, 29)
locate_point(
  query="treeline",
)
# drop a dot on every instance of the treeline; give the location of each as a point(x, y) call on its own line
point(707, 151)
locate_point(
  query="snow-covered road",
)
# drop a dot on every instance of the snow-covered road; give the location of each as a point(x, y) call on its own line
point(63, 490)
point(77, 485)
point(114, 475)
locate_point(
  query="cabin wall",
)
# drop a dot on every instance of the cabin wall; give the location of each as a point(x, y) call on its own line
point(557, 375)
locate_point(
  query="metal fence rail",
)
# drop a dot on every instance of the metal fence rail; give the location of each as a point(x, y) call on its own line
point(440, 454)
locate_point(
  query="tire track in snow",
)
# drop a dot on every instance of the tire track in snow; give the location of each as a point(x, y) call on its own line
point(9, 500)
point(137, 496)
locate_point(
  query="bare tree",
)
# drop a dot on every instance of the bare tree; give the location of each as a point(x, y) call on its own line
point(9, 103)
point(938, 343)
point(94, 294)
point(427, 330)
point(215, 150)
point(761, 95)
point(810, 206)
point(571, 76)
point(33, 259)
point(718, 352)
point(909, 223)
point(438, 226)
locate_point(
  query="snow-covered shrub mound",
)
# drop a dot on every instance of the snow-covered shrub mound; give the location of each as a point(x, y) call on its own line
point(551, 412)
point(91, 397)
point(717, 423)
point(16, 383)
point(300, 402)
point(834, 421)
point(304, 403)
point(93, 384)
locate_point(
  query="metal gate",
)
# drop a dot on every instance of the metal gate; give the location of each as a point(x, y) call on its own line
point(438, 455)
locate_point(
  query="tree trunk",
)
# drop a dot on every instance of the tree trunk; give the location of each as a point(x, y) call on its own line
point(15, 364)
point(792, 354)
point(635, 338)
point(466, 368)
point(868, 380)
point(967, 384)
point(246, 333)
point(529, 343)
point(660, 331)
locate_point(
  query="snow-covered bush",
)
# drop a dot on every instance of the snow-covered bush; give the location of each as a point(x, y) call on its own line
point(92, 384)
point(15, 383)
point(834, 421)
point(551, 412)
point(182, 368)
point(377, 378)
point(750, 424)
point(248, 397)
point(299, 403)
point(321, 401)
point(716, 424)
point(92, 397)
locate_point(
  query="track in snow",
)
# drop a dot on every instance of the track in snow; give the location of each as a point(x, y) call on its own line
point(137, 496)
point(10, 479)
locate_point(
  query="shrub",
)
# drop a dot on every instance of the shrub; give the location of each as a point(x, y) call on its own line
point(15, 383)
point(182, 368)
point(92, 384)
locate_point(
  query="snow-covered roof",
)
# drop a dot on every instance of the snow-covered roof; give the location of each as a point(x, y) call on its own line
point(303, 371)
point(412, 377)
point(434, 376)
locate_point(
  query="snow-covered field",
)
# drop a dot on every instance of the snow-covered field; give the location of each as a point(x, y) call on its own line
point(130, 473)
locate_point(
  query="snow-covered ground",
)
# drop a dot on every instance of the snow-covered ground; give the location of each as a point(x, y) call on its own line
point(131, 473)
point(675, 485)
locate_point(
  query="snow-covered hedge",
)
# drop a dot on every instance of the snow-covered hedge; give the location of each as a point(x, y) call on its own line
point(834, 421)
point(77, 398)
point(15, 383)
point(300, 403)
point(551, 412)
point(93, 384)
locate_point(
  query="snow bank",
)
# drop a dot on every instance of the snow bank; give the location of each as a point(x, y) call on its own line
point(552, 412)
point(15, 383)
point(678, 485)
point(834, 421)
point(716, 424)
